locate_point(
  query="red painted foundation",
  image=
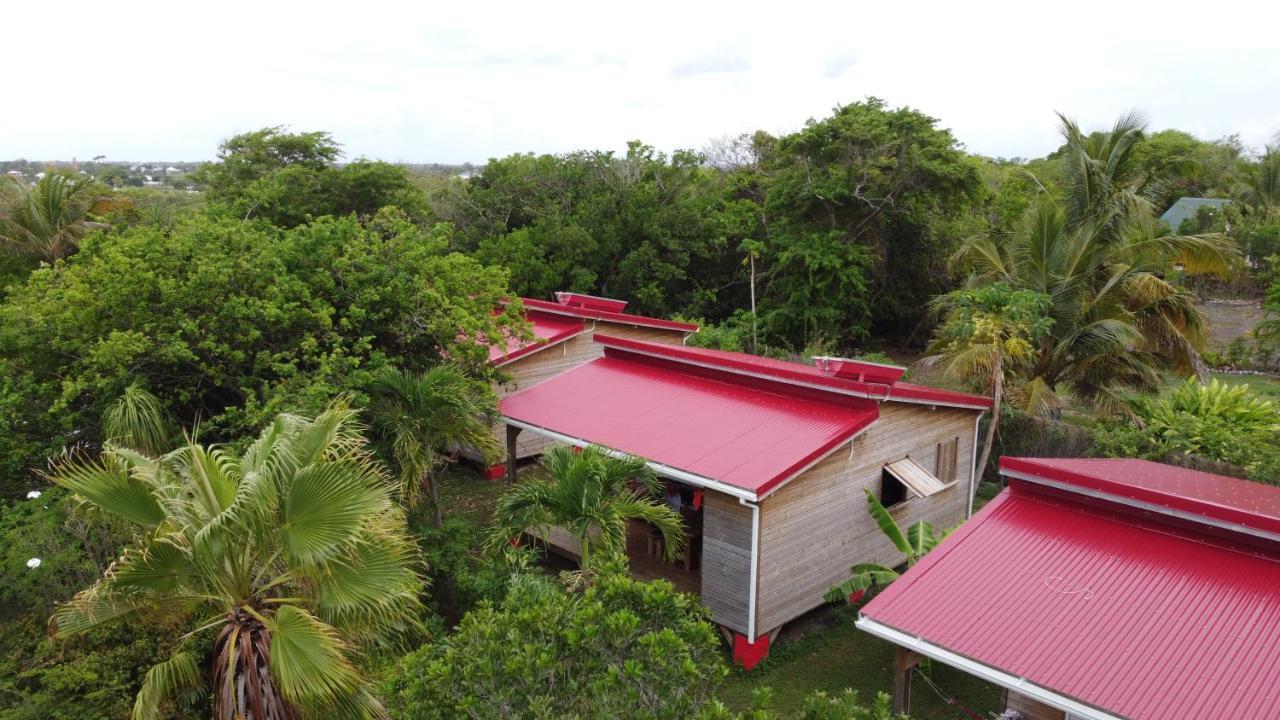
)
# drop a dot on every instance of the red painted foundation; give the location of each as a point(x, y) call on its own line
point(749, 654)
point(856, 595)
point(495, 472)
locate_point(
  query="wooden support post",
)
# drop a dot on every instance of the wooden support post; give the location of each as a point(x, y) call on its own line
point(903, 661)
point(512, 433)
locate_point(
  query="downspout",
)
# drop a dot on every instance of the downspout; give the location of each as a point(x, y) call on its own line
point(755, 568)
point(973, 466)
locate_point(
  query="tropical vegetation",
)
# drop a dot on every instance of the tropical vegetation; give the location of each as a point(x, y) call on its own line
point(592, 495)
point(176, 351)
point(289, 558)
point(912, 543)
point(428, 419)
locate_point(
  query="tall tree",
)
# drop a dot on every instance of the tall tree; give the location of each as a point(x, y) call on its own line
point(288, 178)
point(1118, 319)
point(989, 333)
point(427, 418)
point(592, 495)
point(291, 556)
point(47, 221)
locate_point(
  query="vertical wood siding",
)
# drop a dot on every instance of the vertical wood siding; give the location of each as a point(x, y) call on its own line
point(1031, 708)
point(726, 559)
point(816, 527)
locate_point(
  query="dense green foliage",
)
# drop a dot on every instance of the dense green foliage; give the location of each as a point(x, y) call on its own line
point(849, 219)
point(291, 556)
point(621, 649)
point(231, 322)
point(913, 543)
point(1095, 251)
point(1217, 421)
point(292, 277)
point(290, 178)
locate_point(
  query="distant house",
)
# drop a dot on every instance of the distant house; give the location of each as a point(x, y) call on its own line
point(768, 462)
point(15, 173)
point(562, 339)
point(1187, 207)
point(1102, 589)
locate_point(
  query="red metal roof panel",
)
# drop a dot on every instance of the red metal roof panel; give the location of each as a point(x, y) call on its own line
point(794, 372)
point(1190, 492)
point(597, 313)
point(1134, 617)
point(547, 330)
point(747, 437)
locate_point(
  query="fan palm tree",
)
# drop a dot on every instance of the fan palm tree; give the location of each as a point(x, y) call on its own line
point(592, 495)
point(913, 543)
point(427, 418)
point(1098, 255)
point(47, 221)
point(292, 555)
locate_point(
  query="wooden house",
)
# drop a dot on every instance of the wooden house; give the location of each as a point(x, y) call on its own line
point(769, 461)
point(1102, 589)
point(562, 339)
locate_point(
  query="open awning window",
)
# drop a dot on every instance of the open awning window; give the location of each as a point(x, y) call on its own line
point(919, 481)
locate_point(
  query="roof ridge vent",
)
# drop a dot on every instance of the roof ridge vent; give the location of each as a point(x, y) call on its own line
point(859, 370)
point(590, 302)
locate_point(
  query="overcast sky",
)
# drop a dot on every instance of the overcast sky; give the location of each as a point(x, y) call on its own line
point(467, 81)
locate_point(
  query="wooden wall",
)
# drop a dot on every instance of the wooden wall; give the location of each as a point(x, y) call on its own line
point(726, 559)
point(816, 527)
point(1030, 708)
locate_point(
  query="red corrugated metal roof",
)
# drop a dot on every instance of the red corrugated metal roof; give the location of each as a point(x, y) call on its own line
point(547, 330)
point(754, 365)
point(598, 313)
point(1140, 615)
point(752, 438)
point(1188, 492)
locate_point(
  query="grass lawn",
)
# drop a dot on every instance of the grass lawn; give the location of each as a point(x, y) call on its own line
point(1267, 386)
point(465, 494)
point(825, 651)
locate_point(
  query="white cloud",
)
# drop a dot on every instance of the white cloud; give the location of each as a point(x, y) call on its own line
point(418, 82)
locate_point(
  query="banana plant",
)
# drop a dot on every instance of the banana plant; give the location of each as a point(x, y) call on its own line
point(913, 543)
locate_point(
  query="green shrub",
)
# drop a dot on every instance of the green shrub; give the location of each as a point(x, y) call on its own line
point(619, 649)
point(1217, 421)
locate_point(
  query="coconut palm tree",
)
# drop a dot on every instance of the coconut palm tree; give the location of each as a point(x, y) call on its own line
point(989, 332)
point(291, 556)
point(1097, 253)
point(46, 221)
point(427, 418)
point(1259, 185)
point(591, 494)
point(913, 543)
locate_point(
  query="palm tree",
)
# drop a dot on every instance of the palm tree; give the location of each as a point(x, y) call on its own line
point(1259, 186)
point(138, 421)
point(1098, 255)
point(988, 333)
point(591, 494)
point(913, 543)
point(427, 418)
point(47, 221)
point(292, 555)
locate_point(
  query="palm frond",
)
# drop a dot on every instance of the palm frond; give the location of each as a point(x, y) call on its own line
point(309, 660)
point(164, 681)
